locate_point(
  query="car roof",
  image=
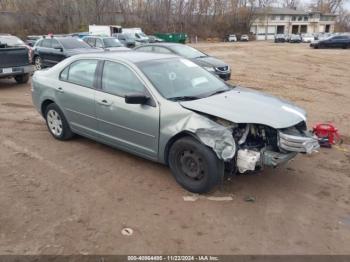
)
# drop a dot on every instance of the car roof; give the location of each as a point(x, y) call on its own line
point(130, 56)
point(166, 44)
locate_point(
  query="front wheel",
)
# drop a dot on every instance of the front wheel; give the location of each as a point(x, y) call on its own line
point(22, 79)
point(194, 165)
point(57, 123)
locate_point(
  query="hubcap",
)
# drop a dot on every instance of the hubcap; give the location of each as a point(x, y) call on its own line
point(38, 63)
point(192, 165)
point(54, 122)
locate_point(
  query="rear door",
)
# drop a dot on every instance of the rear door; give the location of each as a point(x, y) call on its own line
point(134, 128)
point(76, 96)
point(44, 52)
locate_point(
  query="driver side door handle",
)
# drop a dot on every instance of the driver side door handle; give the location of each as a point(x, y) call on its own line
point(104, 102)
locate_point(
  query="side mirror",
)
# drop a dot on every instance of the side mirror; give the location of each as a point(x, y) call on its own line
point(137, 99)
point(58, 48)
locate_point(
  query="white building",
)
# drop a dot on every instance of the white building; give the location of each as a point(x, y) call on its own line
point(271, 21)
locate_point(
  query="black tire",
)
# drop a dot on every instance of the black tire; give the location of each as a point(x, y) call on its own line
point(344, 46)
point(59, 129)
point(22, 79)
point(38, 63)
point(194, 165)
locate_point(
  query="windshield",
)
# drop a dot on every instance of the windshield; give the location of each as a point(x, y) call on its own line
point(187, 51)
point(11, 41)
point(177, 79)
point(111, 42)
point(72, 43)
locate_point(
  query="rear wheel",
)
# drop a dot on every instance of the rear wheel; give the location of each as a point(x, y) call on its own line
point(22, 79)
point(195, 166)
point(57, 123)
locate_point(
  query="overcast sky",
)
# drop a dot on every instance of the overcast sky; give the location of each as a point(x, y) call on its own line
point(306, 2)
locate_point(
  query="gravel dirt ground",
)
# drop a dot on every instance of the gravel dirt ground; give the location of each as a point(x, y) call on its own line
point(75, 197)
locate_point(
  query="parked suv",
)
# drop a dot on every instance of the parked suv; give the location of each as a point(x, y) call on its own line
point(49, 51)
point(106, 43)
point(15, 59)
point(340, 41)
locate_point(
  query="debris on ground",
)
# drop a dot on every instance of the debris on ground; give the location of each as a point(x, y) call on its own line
point(250, 199)
point(127, 231)
point(195, 197)
point(327, 134)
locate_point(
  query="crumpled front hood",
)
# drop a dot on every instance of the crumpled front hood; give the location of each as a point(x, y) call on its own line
point(243, 105)
point(209, 61)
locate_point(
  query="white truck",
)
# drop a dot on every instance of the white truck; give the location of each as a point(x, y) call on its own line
point(137, 33)
point(104, 30)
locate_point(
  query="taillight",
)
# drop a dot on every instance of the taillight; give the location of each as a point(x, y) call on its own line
point(30, 53)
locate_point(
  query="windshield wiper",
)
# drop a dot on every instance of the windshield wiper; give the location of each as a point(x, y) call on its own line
point(183, 98)
point(219, 92)
point(202, 56)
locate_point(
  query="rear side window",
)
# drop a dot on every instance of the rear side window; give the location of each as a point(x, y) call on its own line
point(64, 74)
point(81, 73)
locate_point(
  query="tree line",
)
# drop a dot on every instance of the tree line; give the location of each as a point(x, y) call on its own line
point(204, 18)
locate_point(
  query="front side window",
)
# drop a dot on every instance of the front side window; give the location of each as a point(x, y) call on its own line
point(111, 42)
point(117, 79)
point(55, 44)
point(82, 73)
point(46, 43)
point(178, 78)
point(72, 43)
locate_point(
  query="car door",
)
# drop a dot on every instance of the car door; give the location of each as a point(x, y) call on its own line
point(75, 95)
point(44, 52)
point(57, 54)
point(133, 127)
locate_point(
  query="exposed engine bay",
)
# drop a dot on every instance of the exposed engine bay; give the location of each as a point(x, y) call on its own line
point(259, 145)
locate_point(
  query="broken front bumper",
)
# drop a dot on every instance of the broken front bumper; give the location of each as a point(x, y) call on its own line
point(296, 143)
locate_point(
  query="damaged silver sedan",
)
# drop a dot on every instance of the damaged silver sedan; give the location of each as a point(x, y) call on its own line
point(170, 110)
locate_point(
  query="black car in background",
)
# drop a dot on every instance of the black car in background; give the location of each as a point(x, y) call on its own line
point(338, 41)
point(49, 51)
point(15, 59)
point(209, 63)
point(105, 43)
